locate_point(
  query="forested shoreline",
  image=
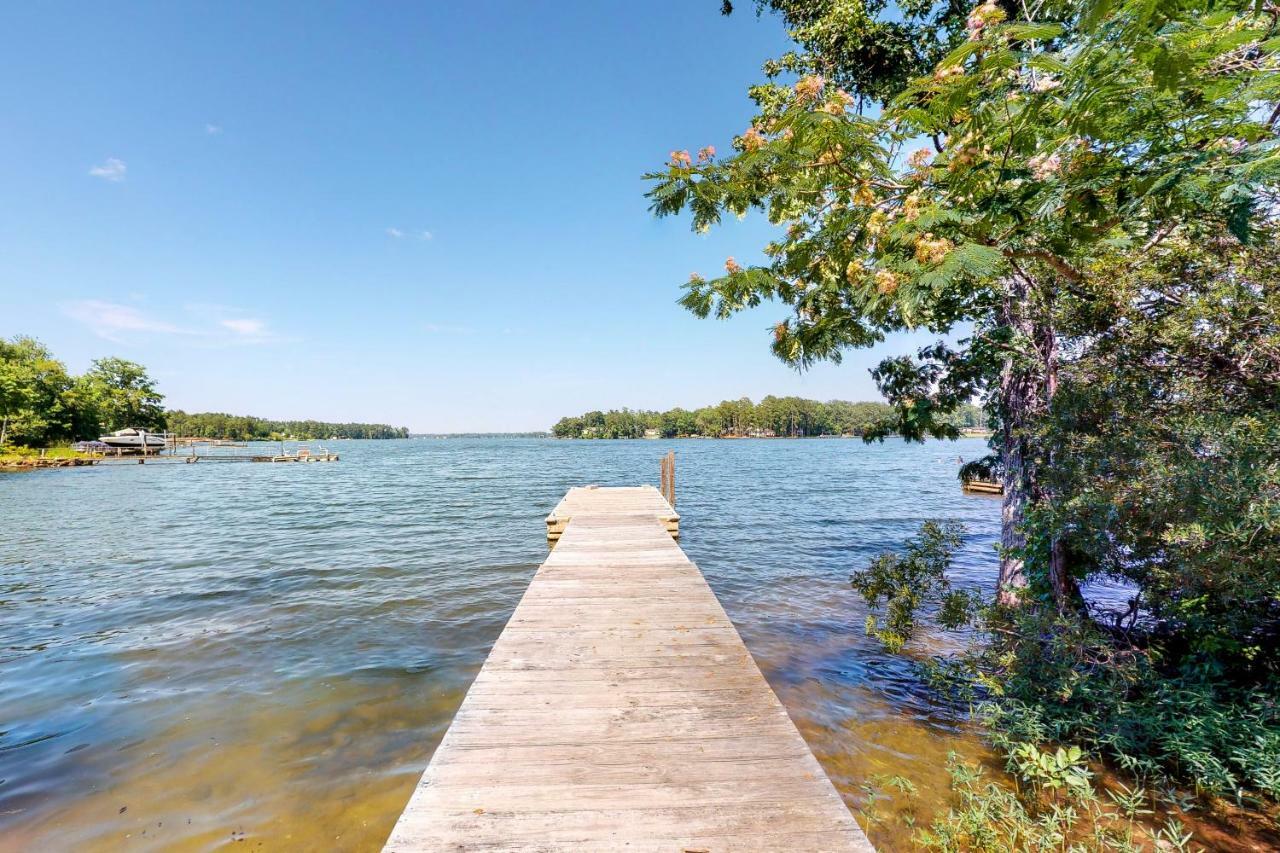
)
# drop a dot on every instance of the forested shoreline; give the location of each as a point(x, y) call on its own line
point(219, 425)
point(42, 404)
point(772, 417)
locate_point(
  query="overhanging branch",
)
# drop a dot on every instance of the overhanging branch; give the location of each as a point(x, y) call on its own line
point(1049, 259)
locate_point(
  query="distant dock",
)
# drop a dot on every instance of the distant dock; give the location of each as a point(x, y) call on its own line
point(155, 459)
point(303, 454)
point(167, 457)
point(983, 487)
point(619, 709)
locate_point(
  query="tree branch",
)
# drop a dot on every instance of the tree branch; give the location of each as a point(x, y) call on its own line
point(1051, 260)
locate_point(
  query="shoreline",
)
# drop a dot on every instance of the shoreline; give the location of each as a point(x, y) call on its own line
point(963, 434)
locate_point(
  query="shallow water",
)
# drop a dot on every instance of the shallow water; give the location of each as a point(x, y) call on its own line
point(193, 656)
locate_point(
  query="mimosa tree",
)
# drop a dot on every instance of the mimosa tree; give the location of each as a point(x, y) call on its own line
point(1058, 138)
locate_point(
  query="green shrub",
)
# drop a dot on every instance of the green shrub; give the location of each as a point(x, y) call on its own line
point(1037, 677)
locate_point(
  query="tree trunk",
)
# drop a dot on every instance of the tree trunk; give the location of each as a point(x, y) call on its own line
point(4, 431)
point(1066, 592)
point(1015, 400)
point(1027, 386)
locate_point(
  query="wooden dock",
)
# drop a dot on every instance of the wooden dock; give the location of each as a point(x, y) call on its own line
point(983, 487)
point(619, 709)
point(192, 458)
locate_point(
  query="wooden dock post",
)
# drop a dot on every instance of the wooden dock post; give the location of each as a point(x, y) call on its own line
point(667, 474)
point(619, 709)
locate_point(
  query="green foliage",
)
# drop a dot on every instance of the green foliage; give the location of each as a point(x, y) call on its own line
point(1090, 135)
point(1040, 676)
point(1094, 130)
point(1063, 769)
point(773, 416)
point(246, 428)
point(858, 46)
point(115, 394)
point(34, 388)
point(1166, 440)
point(13, 453)
point(1056, 679)
point(902, 584)
point(41, 404)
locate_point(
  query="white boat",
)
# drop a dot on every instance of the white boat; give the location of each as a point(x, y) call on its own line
point(133, 439)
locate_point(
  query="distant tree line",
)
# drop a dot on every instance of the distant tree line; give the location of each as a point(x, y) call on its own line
point(790, 417)
point(535, 434)
point(248, 428)
point(42, 404)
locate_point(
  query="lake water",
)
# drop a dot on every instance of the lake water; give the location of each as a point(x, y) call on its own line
point(200, 655)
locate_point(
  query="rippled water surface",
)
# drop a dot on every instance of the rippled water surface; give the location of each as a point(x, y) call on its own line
point(194, 656)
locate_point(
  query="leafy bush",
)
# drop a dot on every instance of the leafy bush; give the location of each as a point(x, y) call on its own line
point(1060, 680)
point(1166, 444)
point(1038, 676)
point(902, 583)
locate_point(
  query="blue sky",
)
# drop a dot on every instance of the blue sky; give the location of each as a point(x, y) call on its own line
point(424, 214)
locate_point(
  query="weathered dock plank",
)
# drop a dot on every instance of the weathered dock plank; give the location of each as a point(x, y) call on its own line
point(619, 709)
point(626, 500)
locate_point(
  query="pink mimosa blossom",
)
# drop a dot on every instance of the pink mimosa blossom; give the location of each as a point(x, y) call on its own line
point(809, 88)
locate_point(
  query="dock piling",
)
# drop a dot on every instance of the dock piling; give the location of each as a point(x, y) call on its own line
point(667, 474)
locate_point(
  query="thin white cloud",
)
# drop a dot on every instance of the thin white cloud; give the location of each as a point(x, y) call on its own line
point(244, 330)
point(204, 325)
point(444, 329)
point(111, 321)
point(112, 170)
point(246, 326)
point(399, 233)
point(213, 129)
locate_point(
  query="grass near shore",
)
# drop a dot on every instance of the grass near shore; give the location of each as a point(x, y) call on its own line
point(12, 456)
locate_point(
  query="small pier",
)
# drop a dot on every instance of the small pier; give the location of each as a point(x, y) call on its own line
point(619, 709)
point(191, 458)
point(982, 487)
point(170, 456)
